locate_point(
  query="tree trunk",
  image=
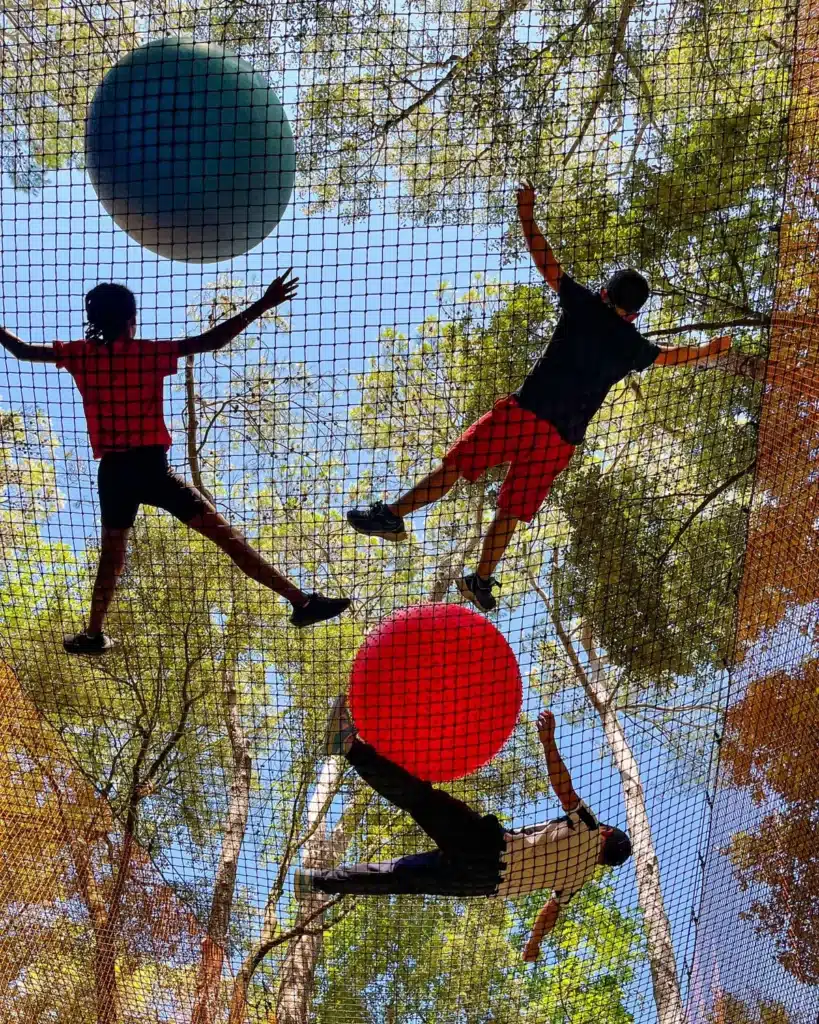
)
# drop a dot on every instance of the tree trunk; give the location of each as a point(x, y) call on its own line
point(192, 429)
point(209, 977)
point(297, 976)
point(595, 683)
point(661, 959)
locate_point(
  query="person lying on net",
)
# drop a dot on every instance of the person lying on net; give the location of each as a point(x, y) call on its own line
point(121, 380)
point(536, 430)
point(475, 855)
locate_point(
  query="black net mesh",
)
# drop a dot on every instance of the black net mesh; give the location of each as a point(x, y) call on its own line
point(181, 836)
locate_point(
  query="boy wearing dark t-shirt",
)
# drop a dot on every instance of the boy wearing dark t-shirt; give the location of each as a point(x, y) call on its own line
point(121, 379)
point(536, 430)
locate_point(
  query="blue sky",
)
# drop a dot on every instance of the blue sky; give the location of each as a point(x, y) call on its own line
point(356, 281)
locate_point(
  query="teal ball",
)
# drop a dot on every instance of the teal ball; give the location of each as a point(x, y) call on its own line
point(190, 151)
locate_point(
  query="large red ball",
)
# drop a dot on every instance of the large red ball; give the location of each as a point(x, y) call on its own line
point(436, 689)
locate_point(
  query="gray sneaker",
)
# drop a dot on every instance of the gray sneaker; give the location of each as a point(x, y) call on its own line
point(340, 729)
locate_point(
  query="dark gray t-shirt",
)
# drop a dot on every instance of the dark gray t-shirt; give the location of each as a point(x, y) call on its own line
point(592, 348)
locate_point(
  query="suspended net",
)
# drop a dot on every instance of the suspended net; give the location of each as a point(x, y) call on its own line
point(166, 807)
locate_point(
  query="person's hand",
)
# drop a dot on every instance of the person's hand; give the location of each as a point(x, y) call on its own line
point(281, 290)
point(526, 195)
point(531, 951)
point(546, 727)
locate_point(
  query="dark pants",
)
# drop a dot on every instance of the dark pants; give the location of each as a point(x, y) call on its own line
point(467, 861)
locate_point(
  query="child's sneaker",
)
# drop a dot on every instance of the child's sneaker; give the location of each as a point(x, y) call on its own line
point(377, 521)
point(318, 609)
point(340, 729)
point(88, 643)
point(479, 591)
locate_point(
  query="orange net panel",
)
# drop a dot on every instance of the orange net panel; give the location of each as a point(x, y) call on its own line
point(87, 921)
point(762, 869)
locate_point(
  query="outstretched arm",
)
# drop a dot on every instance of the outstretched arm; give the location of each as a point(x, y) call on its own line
point(540, 249)
point(545, 922)
point(22, 350)
point(701, 355)
point(223, 333)
point(558, 772)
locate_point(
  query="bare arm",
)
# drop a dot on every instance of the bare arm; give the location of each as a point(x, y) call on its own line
point(545, 922)
point(223, 333)
point(541, 251)
point(558, 772)
point(22, 350)
point(679, 355)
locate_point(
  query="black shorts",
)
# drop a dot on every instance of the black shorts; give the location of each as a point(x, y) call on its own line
point(142, 476)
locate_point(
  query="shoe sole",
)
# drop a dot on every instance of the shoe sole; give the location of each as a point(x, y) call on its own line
point(467, 593)
point(324, 618)
point(395, 538)
point(90, 654)
point(333, 727)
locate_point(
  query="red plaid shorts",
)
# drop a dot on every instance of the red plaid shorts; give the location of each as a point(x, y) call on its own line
point(535, 451)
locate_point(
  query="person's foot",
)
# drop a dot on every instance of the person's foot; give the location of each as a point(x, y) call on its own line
point(88, 643)
point(303, 884)
point(377, 521)
point(340, 729)
point(479, 591)
point(318, 608)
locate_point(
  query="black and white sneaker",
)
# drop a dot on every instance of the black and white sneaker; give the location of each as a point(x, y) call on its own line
point(377, 521)
point(303, 885)
point(341, 732)
point(479, 591)
point(318, 609)
point(88, 643)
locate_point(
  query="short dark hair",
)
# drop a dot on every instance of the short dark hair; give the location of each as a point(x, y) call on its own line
point(109, 308)
point(628, 289)
point(616, 848)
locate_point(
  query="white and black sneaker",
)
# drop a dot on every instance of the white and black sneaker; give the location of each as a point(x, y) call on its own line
point(88, 643)
point(377, 521)
point(303, 885)
point(479, 591)
point(340, 732)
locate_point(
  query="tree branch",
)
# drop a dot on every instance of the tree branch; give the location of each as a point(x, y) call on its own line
point(705, 325)
point(605, 81)
point(493, 29)
point(706, 501)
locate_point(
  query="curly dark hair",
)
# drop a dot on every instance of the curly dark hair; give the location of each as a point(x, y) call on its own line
point(616, 848)
point(628, 289)
point(109, 309)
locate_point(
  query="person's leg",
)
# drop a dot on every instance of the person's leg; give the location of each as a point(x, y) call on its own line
point(452, 825)
point(167, 490)
point(542, 457)
point(209, 523)
point(495, 542)
point(417, 873)
point(113, 546)
point(432, 488)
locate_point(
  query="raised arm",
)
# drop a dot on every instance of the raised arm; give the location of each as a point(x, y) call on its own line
point(700, 355)
point(540, 249)
point(558, 773)
point(281, 290)
point(545, 922)
point(22, 350)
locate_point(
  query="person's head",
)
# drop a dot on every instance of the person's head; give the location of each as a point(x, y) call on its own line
point(626, 292)
point(615, 847)
point(110, 311)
